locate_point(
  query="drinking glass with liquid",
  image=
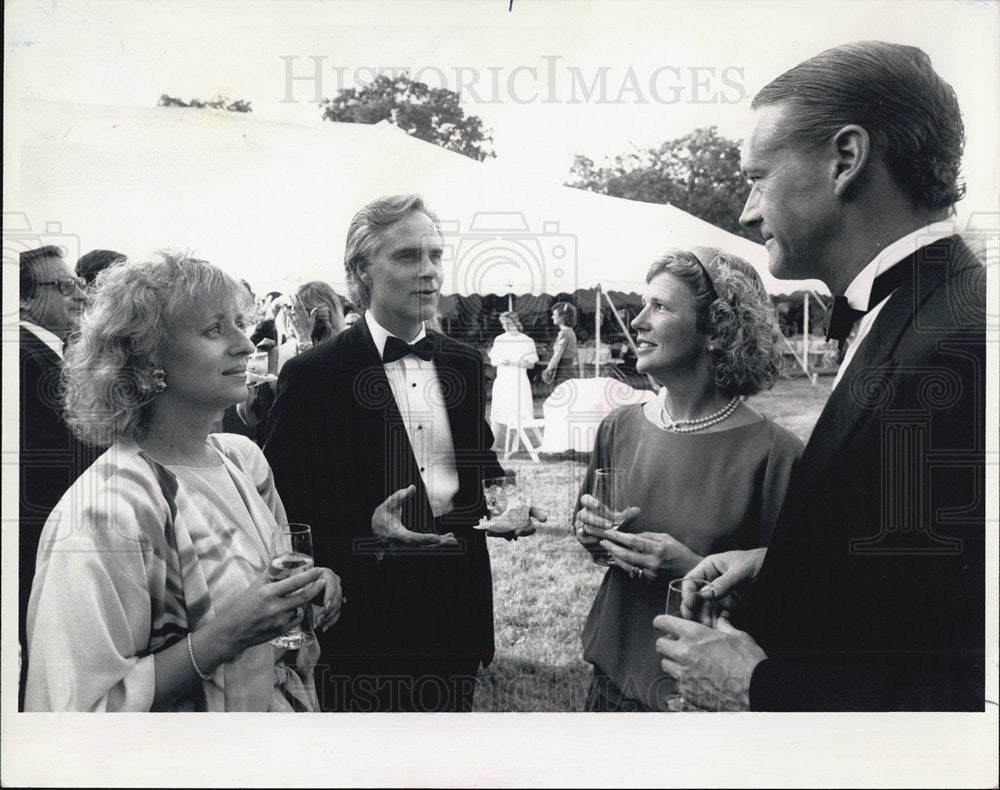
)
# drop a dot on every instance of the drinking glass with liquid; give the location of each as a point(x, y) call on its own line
point(292, 553)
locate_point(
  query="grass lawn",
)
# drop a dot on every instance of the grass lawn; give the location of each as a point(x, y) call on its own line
point(543, 585)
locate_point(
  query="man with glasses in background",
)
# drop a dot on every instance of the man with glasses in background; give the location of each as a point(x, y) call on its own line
point(51, 303)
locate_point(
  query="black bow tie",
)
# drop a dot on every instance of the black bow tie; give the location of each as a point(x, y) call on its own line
point(397, 349)
point(843, 317)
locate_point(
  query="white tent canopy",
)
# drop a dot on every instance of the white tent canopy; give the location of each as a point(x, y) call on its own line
point(270, 202)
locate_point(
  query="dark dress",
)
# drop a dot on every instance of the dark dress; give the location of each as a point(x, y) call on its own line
point(566, 368)
point(713, 492)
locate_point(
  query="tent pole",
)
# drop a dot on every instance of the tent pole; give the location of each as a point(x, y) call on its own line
point(805, 333)
point(597, 331)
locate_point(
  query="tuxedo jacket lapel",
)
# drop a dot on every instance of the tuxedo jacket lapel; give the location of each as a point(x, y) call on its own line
point(872, 368)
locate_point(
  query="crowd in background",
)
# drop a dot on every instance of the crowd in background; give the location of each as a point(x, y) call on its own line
point(809, 578)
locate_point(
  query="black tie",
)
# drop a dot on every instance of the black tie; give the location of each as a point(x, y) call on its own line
point(843, 317)
point(397, 349)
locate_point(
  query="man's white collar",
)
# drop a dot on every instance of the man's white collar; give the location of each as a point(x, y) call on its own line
point(859, 291)
point(50, 339)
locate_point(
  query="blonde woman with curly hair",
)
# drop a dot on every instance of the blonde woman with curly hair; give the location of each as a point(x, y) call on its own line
point(705, 472)
point(150, 589)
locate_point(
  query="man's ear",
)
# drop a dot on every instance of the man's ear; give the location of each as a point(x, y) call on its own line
point(27, 305)
point(852, 148)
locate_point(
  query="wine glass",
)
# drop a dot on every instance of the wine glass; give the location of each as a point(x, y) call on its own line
point(502, 493)
point(291, 553)
point(257, 364)
point(685, 599)
point(609, 490)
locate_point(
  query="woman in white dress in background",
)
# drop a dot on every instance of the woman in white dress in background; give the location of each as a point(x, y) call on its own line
point(512, 354)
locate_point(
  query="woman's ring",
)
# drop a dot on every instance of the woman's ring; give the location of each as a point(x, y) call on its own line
point(635, 572)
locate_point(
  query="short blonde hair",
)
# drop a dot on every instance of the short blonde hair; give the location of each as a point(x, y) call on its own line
point(107, 386)
point(513, 317)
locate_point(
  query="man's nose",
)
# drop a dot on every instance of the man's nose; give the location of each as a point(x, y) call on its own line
point(428, 266)
point(751, 214)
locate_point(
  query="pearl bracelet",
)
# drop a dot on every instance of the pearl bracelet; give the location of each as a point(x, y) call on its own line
point(194, 663)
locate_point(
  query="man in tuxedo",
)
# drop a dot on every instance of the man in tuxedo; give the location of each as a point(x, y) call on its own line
point(51, 302)
point(378, 440)
point(871, 594)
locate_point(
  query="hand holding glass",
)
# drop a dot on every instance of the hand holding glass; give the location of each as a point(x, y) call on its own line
point(291, 554)
point(609, 490)
point(692, 599)
point(503, 496)
point(689, 599)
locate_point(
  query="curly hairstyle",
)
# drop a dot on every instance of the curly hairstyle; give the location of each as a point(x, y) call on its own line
point(364, 237)
point(106, 377)
point(893, 92)
point(513, 317)
point(738, 317)
point(567, 311)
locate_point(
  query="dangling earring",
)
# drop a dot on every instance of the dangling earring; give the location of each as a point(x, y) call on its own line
point(159, 378)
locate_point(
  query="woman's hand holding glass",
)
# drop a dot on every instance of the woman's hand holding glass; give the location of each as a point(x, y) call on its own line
point(268, 609)
point(594, 522)
point(652, 555)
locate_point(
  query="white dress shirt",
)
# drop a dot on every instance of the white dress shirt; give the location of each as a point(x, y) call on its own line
point(418, 394)
point(53, 341)
point(859, 291)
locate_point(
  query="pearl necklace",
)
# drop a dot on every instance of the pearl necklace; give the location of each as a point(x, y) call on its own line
point(668, 423)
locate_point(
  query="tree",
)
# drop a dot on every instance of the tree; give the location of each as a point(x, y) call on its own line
point(431, 114)
point(218, 103)
point(698, 173)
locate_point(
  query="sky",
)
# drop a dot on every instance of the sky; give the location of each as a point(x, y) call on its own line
point(552, 78)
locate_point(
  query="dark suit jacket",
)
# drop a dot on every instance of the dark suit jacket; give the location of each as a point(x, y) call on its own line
point(338, 448)
point(871, 596)
point(50, 457)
